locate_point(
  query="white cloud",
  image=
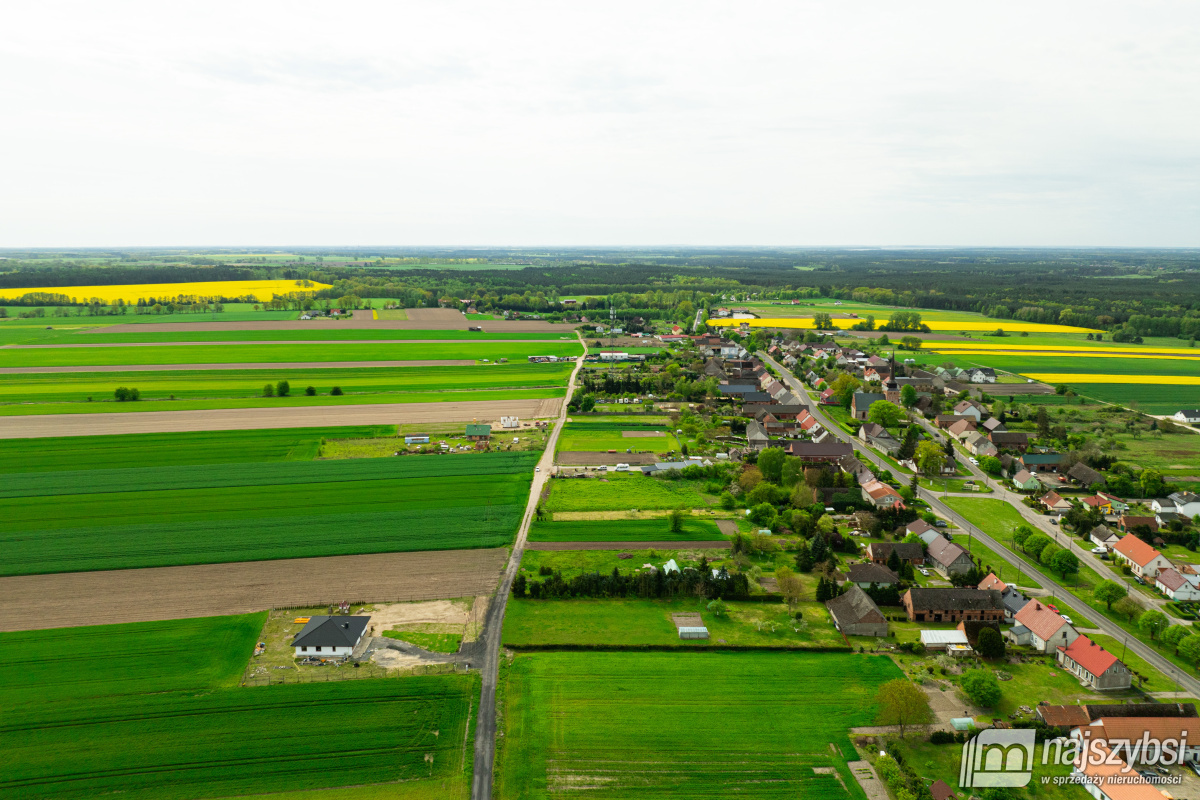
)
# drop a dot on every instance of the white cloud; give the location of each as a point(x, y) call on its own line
point(624, 123)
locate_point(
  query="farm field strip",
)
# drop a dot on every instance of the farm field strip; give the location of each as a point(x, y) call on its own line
point(588, 435)
point(625, 724)
point(140, 369)
point(240, 342)
point(282, 351)
point(1083, 347)
point(375, 505)
point(618, 530)
point(1073, 354)
point(37, 424)
point(94, 598)
point(235, 741)
point(233, 380)
point(1086, 377)
point(131, 293)
point(137, 450)
point(321, 333)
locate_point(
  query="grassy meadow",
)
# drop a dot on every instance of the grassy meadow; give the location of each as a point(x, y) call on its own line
point(589, 435)
point(145, 517)
point(623, 530)
point(637, 724)
point(625, 490)
point(142, 716)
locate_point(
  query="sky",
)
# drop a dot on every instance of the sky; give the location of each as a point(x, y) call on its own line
point(509, 123)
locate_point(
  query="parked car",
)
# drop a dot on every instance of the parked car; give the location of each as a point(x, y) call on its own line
point(1099, 551)
point(1067, 619)
point(940, 523)
point(974, 461)
point(1052, 608)
point(1053, 521)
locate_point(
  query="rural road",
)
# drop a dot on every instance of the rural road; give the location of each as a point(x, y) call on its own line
point(1188, 682)
point(485, 728)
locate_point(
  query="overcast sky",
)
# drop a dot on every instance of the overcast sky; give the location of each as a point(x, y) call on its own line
point(560, 123)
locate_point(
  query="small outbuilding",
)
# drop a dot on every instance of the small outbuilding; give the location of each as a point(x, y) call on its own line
point(693, 632)
point(941, 640)
point(416, 438)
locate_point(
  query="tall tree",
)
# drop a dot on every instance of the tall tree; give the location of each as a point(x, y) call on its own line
point(901, 703)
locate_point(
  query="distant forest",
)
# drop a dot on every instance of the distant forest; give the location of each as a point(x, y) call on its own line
point(1150, 292)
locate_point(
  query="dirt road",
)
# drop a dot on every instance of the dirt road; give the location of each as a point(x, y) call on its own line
point(240, 419)
point(489, 643)
point(137, 595)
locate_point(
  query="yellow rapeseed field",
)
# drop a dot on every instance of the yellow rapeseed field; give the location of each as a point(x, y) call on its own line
point(934, 325)
point(131, 293)
point(1073, 354)
point(1083, 377)
point(1065, 349)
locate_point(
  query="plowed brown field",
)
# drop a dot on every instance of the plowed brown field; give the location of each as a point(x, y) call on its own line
point(67, 599)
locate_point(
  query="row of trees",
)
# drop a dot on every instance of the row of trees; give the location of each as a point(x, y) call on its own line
point(642, 583)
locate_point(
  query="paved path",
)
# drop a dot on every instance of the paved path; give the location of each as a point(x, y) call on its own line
point(865, 775)
point(1186, 680)
point(489, 639)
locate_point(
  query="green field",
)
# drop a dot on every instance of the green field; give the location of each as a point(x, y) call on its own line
point(70, 521)
point(694, 725)
point(321, 332)
point(624, 490)
point(174, 449)
point(623, 530)
point(281, 352)
point(78, 387)
point(588, 435)
point(74, 664)
point(433, 642)
point(152, 710)
point(626, 622)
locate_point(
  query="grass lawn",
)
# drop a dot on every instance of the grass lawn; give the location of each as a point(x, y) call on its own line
point(942, 761)
point(623, 491)
point(577, 562)
point(617, 530)
point(648, 622)
point(954, 485)
point(693, 725)
point(988, 558)
point(591, 435)
point(434, 642)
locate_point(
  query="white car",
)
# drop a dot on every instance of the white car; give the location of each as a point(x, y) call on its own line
point(1067, 619)
point(1099, 551)
point(924, 571)
point(537, 469)
point(974, 461)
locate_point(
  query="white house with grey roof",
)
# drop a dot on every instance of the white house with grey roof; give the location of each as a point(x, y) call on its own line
point(330, 637)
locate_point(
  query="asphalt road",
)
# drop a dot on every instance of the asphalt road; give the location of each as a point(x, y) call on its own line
point(1185, 680)
point(489, 641)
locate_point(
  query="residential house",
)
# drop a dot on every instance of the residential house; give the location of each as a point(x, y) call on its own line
point(1101, 504)
point(918, 526)
point(1190, 415)
point(329, 637)
point(961, 429)
point(1094, 666)
point(1010, 596)
point(1119, 506)
point(880, 495)
point(1026, 481)
point(1143, 559)
point(944, 421)
point(980, 375)
point(1041, 628)
point(870, 573)
point(947, 557)
point(951, 605)
point(855, 614)
point(852, 466)
point(969, 408)
point(1163, 728)
point(861, 403)
point(1127, 522)
point(820, 452)
point(1010, 440)
point(878, 436)
point(479, 432)
point(1103, 536)
point(991, 425)
point(881, 552)
point(1105, 776)
point(979, 445)
point(1041, 462)
point(1186, 503)
point(1055, 503)
point(1085, 476)
point(1178, 586)
point(928, 537)
point(756, 435)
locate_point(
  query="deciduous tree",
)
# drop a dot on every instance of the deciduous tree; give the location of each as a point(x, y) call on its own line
point(902, 703)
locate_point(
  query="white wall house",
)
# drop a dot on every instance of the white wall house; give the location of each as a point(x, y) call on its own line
point(329, 637)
